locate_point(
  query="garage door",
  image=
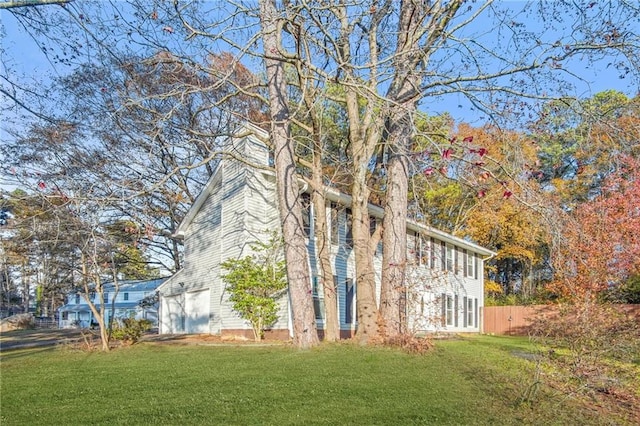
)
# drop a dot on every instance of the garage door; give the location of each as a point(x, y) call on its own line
point(172, 316)
point(197, 309)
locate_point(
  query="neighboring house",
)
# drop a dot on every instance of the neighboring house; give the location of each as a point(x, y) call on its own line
point(76, 313)
point(237, 207)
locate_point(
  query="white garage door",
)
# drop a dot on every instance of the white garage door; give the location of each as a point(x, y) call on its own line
point(197, 309)
point(172, 320)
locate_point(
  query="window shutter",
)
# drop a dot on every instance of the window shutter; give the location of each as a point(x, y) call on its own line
point(443, 255)
point(455, 260)
point(432, 251)
point(443, 298)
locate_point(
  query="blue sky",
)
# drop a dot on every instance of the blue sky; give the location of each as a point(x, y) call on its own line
point(30, 65)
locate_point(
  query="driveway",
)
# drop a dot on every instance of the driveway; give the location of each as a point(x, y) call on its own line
point(21, 339)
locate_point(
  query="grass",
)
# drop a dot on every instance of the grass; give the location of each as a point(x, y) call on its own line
point(468, 381)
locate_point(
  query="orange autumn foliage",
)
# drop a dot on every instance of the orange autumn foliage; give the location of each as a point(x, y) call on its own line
point(601, 244)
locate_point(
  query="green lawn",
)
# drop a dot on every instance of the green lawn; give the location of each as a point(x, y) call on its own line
point(474, 380)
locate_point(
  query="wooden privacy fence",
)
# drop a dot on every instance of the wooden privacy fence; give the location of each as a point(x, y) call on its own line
point(517, 320)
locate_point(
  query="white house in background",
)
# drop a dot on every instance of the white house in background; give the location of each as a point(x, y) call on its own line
point(76, 313)
point(237, 207)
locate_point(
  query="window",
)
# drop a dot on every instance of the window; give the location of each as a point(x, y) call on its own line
point(349, 299)
point(126, 296)
point(419, 245)
point(306, 214)
point(464, 312)
point(77, 299)
point(449, 257)
point(455, 309)
point(413, 244)
point(475, 267)
point(334, 223)
point(373, 225)
point(65, 315)
point(425, 251)
point(318, 299)
point(469, 264)
point(449, 312)
point(469, 310)
point(106, 298)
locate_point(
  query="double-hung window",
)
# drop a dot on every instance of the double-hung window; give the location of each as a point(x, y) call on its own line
point(335, 223)
point(306, 214)
point(469, 264)
point(449, 310)
point(450, 257)
point(318, 299)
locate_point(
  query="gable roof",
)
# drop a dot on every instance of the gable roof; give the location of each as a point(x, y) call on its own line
point(248, 130)
point(257, 134)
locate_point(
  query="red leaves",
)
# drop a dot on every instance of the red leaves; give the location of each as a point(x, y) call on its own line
point(168, 29)
point(446, 154)
point(480, 151)
point(428, 171)
point(42, 185)
point(467, 139)
point(507, 194)
point(482, 193)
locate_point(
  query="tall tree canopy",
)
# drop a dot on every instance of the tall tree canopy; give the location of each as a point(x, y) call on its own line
point(158, 83)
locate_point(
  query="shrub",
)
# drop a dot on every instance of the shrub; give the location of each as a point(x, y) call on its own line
point(254, 283)
point(131, 330)
point(409, 343)
point(586, 339)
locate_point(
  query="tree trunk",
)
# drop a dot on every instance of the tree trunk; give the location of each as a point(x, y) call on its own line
point(323, 244)
point(402, 96)
point(394, 258)
point(364, 136)
point(367, 305)
point(99, 290)
point(296, 254)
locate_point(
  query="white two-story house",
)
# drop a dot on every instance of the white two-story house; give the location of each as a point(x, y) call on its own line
point(127, 304)
point(237, 207)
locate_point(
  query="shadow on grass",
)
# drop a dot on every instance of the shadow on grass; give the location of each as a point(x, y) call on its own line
point(11, 355)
